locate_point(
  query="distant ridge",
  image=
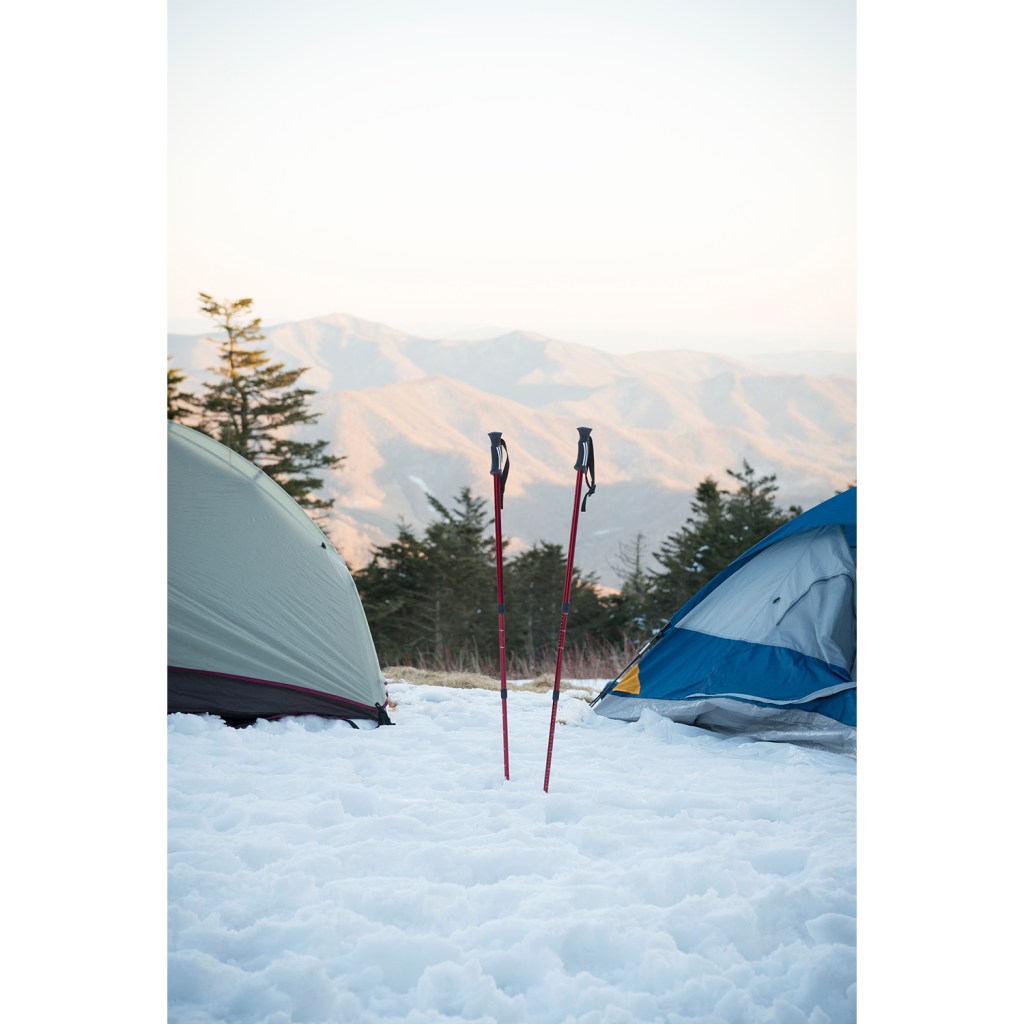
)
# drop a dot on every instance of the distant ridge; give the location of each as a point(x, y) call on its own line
point(412, 414)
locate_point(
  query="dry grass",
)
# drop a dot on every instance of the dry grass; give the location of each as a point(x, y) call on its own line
point(474, 681)
point(426, 677)
point(597, 659)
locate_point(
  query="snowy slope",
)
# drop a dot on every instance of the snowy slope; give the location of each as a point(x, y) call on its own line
point(319, 873)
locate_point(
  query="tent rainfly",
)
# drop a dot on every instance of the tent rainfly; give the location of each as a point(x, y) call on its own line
point(768, 647)
point(263, 617)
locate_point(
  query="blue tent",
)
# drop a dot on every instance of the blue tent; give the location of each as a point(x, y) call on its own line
point(768, 648)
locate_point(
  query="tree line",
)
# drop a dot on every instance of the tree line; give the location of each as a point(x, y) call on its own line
point(430, 599)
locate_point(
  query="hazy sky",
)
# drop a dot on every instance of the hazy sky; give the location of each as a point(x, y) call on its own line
point(599, 171)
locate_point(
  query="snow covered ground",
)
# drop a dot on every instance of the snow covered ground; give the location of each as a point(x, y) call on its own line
point(323, 874)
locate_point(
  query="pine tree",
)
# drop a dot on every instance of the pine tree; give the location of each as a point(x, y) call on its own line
point(722, 526)
point(253, 403)
point(181, 404)
point(461, 593)
point(534, 581)
point(632, 608)
point(693, 554)
point(751, 511)
point(534, 588)
point(393, 589)
point(431, 600)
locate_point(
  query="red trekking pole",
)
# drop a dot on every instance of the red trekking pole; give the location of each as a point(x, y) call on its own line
point(584, 466)
point(500, 475)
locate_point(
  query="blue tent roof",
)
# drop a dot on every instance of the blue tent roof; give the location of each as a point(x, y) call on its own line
point(840, 510)
point(767, 647)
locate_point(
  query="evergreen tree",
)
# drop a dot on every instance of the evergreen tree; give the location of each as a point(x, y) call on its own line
point(534, 581)
point(632, 608)
point(393, 589)
point(461, 594)
point(751, 511)
point(181, 404)
point(722, 526)
point(534, 588)
point(253, 403)
point(432, 599)
point(692, 555)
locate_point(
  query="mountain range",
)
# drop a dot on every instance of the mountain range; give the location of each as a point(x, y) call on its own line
point(411, 415)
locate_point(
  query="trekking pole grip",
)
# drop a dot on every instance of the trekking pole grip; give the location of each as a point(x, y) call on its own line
point(495, 436)
point(581, 449)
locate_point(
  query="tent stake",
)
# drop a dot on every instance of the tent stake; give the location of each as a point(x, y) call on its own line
point(500, 476)
point(584, 466)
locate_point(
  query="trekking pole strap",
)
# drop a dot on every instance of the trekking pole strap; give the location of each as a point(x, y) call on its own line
point(585, 462)
point(497, 444)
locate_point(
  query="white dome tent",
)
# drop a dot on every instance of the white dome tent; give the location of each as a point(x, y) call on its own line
point(263, 617)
